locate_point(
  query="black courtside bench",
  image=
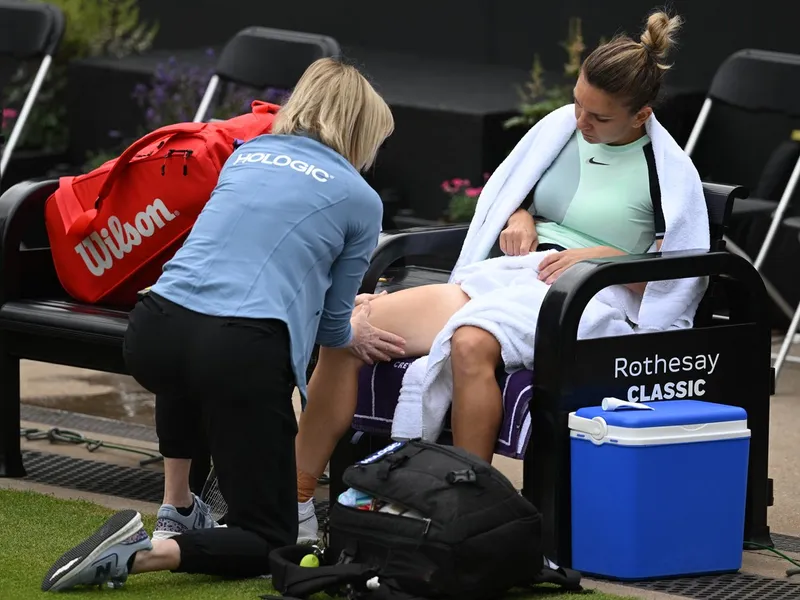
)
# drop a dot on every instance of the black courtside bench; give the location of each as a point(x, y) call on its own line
point(39, 322)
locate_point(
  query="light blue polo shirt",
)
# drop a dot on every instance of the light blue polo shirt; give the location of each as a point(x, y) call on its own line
point(287, 234)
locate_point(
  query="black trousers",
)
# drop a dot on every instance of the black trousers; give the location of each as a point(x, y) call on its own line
point(227, 382)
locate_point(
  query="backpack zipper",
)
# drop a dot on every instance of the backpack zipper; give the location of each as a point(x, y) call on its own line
point(425, 520)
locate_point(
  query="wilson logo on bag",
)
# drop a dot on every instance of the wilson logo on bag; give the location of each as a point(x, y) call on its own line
point(98, 250)
point(112, 230)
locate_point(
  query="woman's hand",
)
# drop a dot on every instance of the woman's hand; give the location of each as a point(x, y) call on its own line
point(361, 298)
point(553, 265)
point(369, 343)
point(519, 237)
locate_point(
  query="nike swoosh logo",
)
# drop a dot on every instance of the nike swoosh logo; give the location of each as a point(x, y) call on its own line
point(592, 161)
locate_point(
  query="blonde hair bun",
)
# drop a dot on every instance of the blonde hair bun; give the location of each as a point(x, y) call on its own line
point(660, 35)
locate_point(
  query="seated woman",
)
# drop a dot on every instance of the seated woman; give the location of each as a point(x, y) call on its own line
point(600, 197)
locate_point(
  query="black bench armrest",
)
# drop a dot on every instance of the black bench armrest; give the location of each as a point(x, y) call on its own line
point(564, 303)
point(26, 264)
point(415, 241)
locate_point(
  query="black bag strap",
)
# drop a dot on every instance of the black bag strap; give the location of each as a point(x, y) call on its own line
point(388, 590)
point(291, 580)
point(568, 579)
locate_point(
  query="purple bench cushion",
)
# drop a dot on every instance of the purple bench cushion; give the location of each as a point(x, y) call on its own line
point(379, 388)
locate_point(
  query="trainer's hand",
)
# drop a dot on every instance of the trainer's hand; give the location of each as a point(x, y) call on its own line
point(371, 344)
point(361, 298)
point(519, 237)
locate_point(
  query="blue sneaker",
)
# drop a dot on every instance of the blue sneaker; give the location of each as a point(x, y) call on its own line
point(103, 557)
point(169, 522)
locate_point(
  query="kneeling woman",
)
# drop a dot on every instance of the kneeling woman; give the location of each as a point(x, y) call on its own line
point(272, 265)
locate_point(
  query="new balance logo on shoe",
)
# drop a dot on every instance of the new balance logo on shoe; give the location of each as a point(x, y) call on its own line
point(98, 250)
point(103, 572)
point(281, 160)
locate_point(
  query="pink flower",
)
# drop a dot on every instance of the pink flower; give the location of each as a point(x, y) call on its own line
point(458, 185)
point(473, 192)
point(8, 113)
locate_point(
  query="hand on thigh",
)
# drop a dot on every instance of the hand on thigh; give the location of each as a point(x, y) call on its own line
point(417, 314)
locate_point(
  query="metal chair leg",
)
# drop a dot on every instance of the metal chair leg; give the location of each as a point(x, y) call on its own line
point(771, 290)
point(787, 343)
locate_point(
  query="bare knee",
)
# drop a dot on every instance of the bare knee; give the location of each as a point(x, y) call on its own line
point(474, 351)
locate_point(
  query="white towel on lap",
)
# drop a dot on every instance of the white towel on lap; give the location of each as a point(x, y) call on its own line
point(506, 295)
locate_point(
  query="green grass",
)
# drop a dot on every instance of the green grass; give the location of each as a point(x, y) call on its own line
point(36, 529)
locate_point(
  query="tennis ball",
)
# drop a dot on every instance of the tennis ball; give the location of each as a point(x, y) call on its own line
point(309, 560)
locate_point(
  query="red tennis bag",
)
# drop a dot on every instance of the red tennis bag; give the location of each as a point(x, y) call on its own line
point(112, 230)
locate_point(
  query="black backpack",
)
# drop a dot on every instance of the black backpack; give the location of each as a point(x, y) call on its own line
point(471, 534)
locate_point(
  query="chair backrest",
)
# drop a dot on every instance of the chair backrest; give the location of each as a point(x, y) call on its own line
point(753, 101)
point(719, 203)
point(261, 57)
point(759, 81)
point(28, 31)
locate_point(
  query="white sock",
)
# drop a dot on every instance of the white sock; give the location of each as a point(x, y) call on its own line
point(305, 507)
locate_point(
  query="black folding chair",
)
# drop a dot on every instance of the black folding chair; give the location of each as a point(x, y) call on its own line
point(259, 57)
point(757, 81)
point(28, 31)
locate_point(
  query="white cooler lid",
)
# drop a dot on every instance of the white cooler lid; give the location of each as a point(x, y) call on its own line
point(669, 422)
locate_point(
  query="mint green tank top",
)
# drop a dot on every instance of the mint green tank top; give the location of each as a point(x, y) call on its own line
point(600, 195)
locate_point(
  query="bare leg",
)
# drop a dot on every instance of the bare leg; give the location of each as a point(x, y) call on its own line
point(477, 398)
point(176, 482)
point(417, 315)
point(165, 556)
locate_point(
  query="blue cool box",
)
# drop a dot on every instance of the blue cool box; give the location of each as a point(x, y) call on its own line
point(658, 493)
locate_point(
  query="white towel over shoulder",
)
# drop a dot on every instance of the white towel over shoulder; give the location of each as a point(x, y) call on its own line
point(505, 294)
point(665, 304)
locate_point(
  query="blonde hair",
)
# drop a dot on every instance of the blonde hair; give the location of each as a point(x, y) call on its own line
point(337, 105)
point(632, 70)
